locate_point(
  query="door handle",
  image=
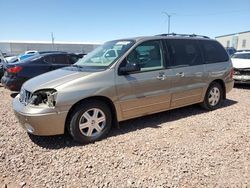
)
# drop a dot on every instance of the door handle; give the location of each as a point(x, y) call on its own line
point(161, 77)
point(180, 74)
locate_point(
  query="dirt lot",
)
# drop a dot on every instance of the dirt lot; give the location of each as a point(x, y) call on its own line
point(187, 147)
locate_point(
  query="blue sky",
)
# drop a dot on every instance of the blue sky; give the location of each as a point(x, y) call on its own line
point(99, 21)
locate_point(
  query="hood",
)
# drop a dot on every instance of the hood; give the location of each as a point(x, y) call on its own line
point(53, 79)
point(240, 63)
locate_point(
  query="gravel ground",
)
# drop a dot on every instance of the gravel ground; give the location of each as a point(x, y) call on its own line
point(186, 147)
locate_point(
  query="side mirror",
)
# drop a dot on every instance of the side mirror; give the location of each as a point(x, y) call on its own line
point(130, 67)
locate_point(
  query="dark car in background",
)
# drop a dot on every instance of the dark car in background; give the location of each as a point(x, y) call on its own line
point(17, 73)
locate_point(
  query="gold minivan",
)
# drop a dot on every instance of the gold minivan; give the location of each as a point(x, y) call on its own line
point(124, 79)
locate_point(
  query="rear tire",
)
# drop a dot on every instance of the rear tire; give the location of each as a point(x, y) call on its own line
point(90, 121)
point(214, 97)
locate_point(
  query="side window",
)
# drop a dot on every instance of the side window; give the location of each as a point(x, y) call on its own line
point(49, 59)
point(57, 59)
point(213, 52)
point(61, 59)
point(184, 52)
point(148, 55)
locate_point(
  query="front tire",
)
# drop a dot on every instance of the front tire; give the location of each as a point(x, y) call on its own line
point(214, 97)
point(90, 121)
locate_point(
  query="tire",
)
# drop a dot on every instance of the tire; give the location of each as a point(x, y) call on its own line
point(214, 97)
point(90, 121)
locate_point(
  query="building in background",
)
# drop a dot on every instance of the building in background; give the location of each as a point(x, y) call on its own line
point(239, 41)
point(18, 47)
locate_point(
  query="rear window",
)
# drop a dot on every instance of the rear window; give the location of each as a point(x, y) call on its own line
point(213, 52)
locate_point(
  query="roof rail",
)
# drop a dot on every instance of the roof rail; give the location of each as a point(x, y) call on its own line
point(184, 35)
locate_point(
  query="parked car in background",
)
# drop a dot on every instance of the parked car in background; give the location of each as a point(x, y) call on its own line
point(23, 56)
point(124, 79)
point(31, 52)
point(17, 73)
point(27, 54)
point(241, 64)
point(11, 59)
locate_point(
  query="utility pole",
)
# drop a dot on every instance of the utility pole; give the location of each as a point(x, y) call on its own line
point(169, 17)
point(52, 40)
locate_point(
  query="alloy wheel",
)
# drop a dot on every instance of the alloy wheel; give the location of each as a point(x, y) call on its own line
point(92, 122)
point(214, 96)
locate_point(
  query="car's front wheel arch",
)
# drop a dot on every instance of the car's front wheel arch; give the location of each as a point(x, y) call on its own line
point(103, 99)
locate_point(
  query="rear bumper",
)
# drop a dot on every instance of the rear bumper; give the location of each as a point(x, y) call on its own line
point(43, 122)
point(229, 85)
point(13, 84)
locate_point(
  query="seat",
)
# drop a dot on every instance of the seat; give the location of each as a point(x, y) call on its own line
point(155, 58)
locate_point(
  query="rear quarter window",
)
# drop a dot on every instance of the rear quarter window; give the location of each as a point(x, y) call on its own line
point(213, 52)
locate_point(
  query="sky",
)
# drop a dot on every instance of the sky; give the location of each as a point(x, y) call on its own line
point(100, 21)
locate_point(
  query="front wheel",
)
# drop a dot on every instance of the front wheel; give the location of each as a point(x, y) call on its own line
point(90, 121)
point(214, 97)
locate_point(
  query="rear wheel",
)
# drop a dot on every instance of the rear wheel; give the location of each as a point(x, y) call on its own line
point(214, 97)
point(90, 121)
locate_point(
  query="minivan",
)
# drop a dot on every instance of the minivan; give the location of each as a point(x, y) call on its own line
point(124, 79)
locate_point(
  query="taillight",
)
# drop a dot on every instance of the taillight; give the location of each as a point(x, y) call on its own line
point(231, 73)
point(14, 70)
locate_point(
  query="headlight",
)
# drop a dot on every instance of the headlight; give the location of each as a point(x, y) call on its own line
point(44, 97)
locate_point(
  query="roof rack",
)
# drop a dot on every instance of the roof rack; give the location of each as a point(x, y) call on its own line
point(184, 35)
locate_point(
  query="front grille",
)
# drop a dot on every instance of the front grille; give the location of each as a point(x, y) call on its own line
point(242, 72)
point(25, 96)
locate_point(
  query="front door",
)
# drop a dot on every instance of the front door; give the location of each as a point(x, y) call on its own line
point(146, 91)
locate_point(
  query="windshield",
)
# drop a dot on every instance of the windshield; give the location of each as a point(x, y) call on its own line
point(241, 56)
point(105, 55)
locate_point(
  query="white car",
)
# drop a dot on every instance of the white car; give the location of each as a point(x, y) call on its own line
point(241, 64)
point(31, 52)
point(11, 59)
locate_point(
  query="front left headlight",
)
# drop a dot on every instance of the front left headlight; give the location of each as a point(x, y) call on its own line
point(44, 97)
